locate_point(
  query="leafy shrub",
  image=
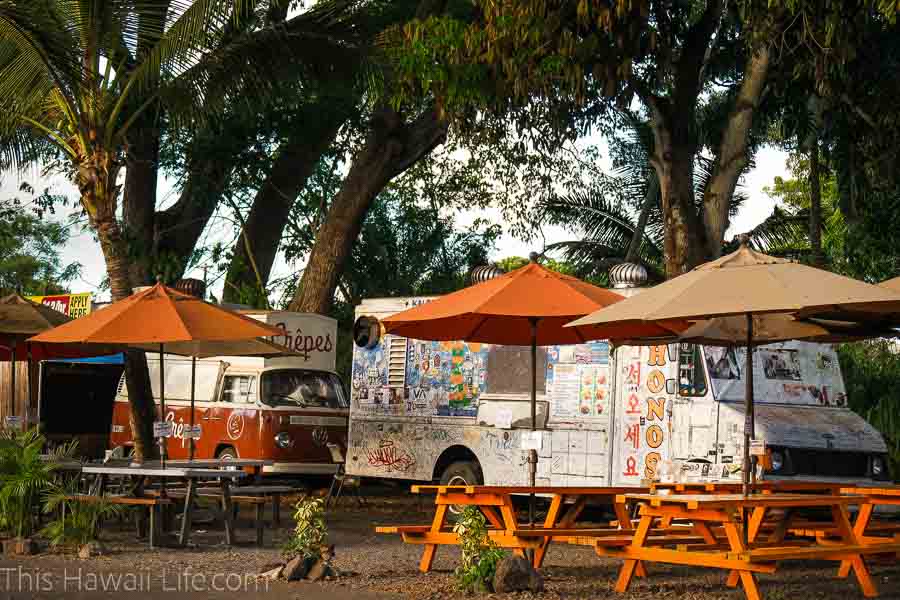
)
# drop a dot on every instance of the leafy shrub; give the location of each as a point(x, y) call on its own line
point(25, 476)
point(77, 522)
point(311, 531)
point(479, 554)
point(871, 371)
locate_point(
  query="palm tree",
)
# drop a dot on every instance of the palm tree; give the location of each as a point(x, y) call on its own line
point(81, 81)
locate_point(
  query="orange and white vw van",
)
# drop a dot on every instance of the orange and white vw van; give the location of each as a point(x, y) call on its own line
point(285, 409)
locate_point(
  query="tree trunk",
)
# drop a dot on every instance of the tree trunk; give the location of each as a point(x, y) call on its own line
point(255, 249)
point(96, 180)
point(815, 206)
point(390, 148)
point(732, 158)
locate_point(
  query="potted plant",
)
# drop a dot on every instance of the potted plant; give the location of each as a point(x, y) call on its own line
point(24, 477)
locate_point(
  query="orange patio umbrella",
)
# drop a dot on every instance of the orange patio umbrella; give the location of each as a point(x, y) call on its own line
point(526, 307)
point(158, 316)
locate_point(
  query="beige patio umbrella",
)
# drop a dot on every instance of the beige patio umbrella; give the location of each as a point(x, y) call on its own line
point(748, 284)
point(891, 284)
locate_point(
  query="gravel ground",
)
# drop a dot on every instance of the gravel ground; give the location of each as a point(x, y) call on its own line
point(381, 567)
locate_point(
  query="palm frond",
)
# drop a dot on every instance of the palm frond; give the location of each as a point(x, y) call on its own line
point(782, 232)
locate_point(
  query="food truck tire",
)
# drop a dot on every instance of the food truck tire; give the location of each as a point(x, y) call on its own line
point(226, 453)
point(463, 472)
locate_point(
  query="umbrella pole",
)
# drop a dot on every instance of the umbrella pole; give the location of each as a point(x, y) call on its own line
point(749, 434)
point(532, 454)
point(162, 405)
point(193, 388)
point(30, 394)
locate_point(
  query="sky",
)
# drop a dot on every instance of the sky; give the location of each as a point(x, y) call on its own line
point(83, 247)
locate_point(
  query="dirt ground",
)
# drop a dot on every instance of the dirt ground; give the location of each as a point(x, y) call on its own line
point(373, 567)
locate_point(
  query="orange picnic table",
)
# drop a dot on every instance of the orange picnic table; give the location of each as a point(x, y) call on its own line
point(496, 503)
point(711, 513)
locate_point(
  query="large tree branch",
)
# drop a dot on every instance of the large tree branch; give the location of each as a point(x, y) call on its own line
point(732, 158)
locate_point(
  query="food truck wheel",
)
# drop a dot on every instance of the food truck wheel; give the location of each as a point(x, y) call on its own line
point(227, 453)
point(462, 472)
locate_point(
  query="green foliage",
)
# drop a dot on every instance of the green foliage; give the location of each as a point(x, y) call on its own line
point(24, 477)
point(74, 523)
point(479, 554)
point(311, 531)
point(30, 260)
point(871, 371)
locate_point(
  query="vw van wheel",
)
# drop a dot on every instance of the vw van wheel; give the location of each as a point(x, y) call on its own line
point(461, 473)
point(227, 453)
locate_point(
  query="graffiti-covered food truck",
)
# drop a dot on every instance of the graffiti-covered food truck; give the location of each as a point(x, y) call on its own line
point(459, 412)
point(285, 409)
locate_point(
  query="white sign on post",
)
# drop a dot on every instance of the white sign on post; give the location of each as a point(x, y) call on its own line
point(162, 429)
point(503, 418)
point(757, 448)
point(192, 433)
point(14, 421)
point(531, 440)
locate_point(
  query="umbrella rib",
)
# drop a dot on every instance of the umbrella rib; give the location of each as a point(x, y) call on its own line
point(473, 332)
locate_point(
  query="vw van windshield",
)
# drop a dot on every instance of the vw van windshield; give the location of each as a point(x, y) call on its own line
point(303, 389)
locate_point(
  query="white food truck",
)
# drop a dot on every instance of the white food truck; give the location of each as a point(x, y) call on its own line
point(459, 412)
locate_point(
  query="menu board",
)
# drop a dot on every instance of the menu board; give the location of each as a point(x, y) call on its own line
point(578, 381)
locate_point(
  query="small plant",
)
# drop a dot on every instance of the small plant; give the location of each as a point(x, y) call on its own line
point(479, 554)
point(25, 476)
point(311, 531)
point(77, 522)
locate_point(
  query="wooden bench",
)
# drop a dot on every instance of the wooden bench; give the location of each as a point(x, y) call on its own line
point(272, 492)
point(811, 553)
point(153, 505)
point(258, 502)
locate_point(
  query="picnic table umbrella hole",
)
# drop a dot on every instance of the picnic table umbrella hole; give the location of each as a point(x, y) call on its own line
point(750, 298)
point(161, 318)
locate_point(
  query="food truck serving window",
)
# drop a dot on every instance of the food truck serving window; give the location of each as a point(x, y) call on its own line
point(691, 379)
point(304, 389)
point(239, 388)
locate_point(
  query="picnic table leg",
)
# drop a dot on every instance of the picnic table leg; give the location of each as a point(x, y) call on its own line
point(259, 522)
point(491, 515)
point(736, 541)
point(624, 518)
point(154, 525)
point(188, 513)
point(276, 509)
point(842, 522)
point(756, 520)
point(429, 550)
point(549, 522)
point(859, 528)
point(227, 511)
point(628, 569)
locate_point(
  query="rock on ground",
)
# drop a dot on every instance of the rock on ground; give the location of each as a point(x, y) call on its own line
point(515, 574)
point(90, 550)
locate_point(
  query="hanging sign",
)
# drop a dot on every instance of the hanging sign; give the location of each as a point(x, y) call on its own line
point(72, 305)
point(162, 429)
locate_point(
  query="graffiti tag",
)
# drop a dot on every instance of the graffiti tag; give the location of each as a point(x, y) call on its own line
point(391, 458)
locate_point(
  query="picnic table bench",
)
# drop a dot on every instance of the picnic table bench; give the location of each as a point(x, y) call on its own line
point(496, 503)
point(223, 476)
point(153, 508)
point(742, 558)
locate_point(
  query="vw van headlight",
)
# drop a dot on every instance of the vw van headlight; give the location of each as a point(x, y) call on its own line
point(777, 461)
point(283, 439)
point(877, 466)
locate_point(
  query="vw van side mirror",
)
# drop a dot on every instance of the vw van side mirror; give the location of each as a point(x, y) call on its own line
point(367, 332)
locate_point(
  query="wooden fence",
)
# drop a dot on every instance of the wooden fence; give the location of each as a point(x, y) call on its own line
point(22, 405)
